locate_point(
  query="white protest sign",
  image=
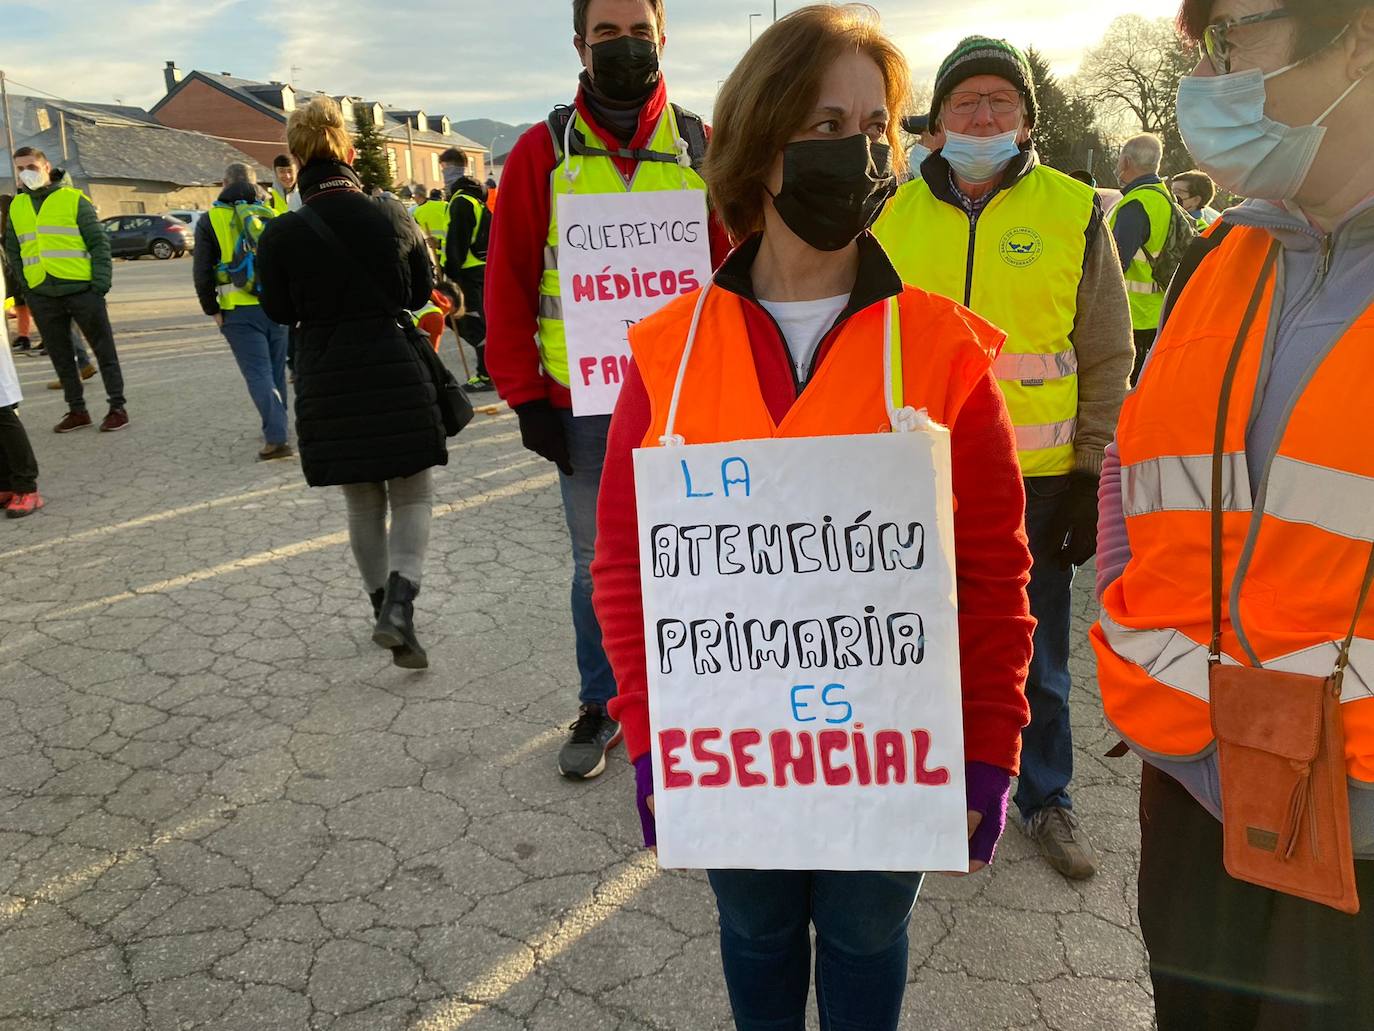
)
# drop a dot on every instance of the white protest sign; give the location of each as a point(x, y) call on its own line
point(802, 643)
point(622, 257)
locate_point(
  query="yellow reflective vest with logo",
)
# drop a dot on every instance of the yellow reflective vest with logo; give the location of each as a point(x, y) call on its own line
point(1018, 265)
point(50, 242)
point(230, 296)
point(433, 218)
point(591, 174)
point(478, 211)
point(1146, 296)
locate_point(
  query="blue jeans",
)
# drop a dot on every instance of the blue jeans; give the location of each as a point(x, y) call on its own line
point(861, 946)
point(1047, 744)
point(587, 451)
point(259, 346)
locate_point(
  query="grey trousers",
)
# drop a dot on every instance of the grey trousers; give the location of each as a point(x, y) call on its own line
point(378, 551)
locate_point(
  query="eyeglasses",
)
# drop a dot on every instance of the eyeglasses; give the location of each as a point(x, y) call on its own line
point(1216, 41)
point(1001, 102)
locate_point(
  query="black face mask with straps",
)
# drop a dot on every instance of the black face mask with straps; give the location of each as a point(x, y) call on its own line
point(625, 68)
point(832, 190)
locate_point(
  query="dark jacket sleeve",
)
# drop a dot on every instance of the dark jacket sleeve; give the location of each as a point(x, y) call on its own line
point(1132, 231)
point(273, 273)
point(15, 284)
point(98, 244)
point(461, 224)
point(203, 266)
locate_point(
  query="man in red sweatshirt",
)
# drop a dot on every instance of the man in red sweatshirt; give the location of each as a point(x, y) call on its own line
point(620, 136)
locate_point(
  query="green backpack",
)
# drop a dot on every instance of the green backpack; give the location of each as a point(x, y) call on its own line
point(1182, 232)
point(241, 265)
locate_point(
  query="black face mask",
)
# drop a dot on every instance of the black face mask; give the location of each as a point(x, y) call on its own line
point(832, 190)
point(625, 68)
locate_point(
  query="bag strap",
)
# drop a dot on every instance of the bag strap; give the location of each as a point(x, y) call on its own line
point(324, 232)
point(1343, 662)
point(1219, 444)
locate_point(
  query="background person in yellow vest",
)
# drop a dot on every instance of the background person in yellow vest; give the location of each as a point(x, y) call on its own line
point(55, 237)
point(284, 196)
point(1140, 223)
point(465, 256)
point(1195, 192)
point(258, 343)
point(621, 104)
point(1279, 111)
point(432, 215)
point(1025, 246)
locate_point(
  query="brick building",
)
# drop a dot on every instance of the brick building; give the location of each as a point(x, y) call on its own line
point(252, 117)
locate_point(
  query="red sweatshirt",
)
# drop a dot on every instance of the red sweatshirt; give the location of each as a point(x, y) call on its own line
point(992, 559)
point(515, 258)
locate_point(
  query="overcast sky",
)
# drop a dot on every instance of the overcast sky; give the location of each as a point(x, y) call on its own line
point(506, 59)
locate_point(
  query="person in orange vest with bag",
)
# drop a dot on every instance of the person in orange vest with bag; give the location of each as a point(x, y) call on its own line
point(1235, 646)
point(788, 341)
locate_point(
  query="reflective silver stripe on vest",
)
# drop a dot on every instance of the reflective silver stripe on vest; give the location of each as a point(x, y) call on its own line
point(27, 237)
point(1336, 501)
point(1142, 288)
point(1183, 483)
point(1177, 661)
point(1045, 436)
point(32, 261)
point(551, 308)
point(59, 230)
point(82, 254)
point(1042, 367)
point(550, 258)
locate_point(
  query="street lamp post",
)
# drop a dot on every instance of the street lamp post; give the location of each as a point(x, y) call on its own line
point(491, 148)
point(751, 27)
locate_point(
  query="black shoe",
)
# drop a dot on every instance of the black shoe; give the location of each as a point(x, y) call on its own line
point(396, 624)
point(376, 599)
point(21, 344)
point(479, 384)
point(594, 734)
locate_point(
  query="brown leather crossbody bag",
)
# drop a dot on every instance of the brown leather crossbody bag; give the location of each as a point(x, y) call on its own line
point(1280, 737)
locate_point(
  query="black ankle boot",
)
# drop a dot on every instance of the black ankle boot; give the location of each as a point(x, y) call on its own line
point(376, 598)
point(396, 624)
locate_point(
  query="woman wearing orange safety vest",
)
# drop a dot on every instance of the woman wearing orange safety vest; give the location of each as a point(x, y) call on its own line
point(789, 342)
point(1236, 641)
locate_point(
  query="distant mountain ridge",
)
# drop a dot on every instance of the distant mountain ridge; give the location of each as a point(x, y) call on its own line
point(487, 130)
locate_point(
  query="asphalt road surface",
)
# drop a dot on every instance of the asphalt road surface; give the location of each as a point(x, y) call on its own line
point(222, 807)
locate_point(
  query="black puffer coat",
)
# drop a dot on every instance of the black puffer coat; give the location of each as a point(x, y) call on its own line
point(365, 407)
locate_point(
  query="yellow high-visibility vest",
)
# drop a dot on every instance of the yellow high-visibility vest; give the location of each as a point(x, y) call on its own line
point(50, 241)
point(230, 296)
point(1146, 296)
point(478, 210)
point(591, 174)
point(1019, 266)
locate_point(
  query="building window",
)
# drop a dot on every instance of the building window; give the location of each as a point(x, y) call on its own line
point(391, 162)
point(434, 167)
point(410, 169)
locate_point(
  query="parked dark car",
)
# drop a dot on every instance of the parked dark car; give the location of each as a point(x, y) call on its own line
point(132, 236)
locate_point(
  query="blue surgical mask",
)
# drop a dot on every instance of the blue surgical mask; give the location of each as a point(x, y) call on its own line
point(980, 159)
point(1222, 121)
point(916, 157)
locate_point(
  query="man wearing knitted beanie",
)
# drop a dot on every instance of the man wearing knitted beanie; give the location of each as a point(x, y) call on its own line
point(1023, 245)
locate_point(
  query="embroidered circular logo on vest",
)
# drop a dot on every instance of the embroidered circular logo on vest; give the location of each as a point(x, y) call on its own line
point(1022, 247)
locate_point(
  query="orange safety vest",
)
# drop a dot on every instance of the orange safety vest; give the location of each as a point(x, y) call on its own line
point(1295, 549)
point(721, 399)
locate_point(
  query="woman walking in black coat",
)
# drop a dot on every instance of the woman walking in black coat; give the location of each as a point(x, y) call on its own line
point(366, 411)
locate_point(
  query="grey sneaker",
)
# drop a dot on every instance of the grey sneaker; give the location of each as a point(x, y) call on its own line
point(1062, 842)
point(594, 734)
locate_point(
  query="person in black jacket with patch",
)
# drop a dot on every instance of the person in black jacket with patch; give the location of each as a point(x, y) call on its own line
point(367, 416)
point(465, 256)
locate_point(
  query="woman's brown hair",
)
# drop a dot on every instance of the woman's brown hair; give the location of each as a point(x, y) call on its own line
point(774, 89)
point(317, 132)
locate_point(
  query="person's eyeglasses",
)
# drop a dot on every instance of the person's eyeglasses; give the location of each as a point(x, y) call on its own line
point(1216, 41)
point(1001, 102)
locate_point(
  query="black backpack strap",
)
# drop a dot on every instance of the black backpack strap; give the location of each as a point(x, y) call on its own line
point(1192, 260)
point(557, 124)
point(692, 129)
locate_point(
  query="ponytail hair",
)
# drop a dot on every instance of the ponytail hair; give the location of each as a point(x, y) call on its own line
point(317, 132)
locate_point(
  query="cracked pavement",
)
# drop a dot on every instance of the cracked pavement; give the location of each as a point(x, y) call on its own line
point(222, 807)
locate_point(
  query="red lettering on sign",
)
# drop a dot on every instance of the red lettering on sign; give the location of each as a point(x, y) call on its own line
point(669, 741)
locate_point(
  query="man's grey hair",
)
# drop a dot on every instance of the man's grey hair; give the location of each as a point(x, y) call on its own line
point(238, 172)
point(1144, 152)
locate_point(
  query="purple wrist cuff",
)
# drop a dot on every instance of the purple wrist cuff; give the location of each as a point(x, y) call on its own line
point(644, 790)
point(988, 788)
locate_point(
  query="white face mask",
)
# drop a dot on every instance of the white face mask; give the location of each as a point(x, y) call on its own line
point(916, 157)
point(1223, 124)
point(980, 159)
point(32, 178)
